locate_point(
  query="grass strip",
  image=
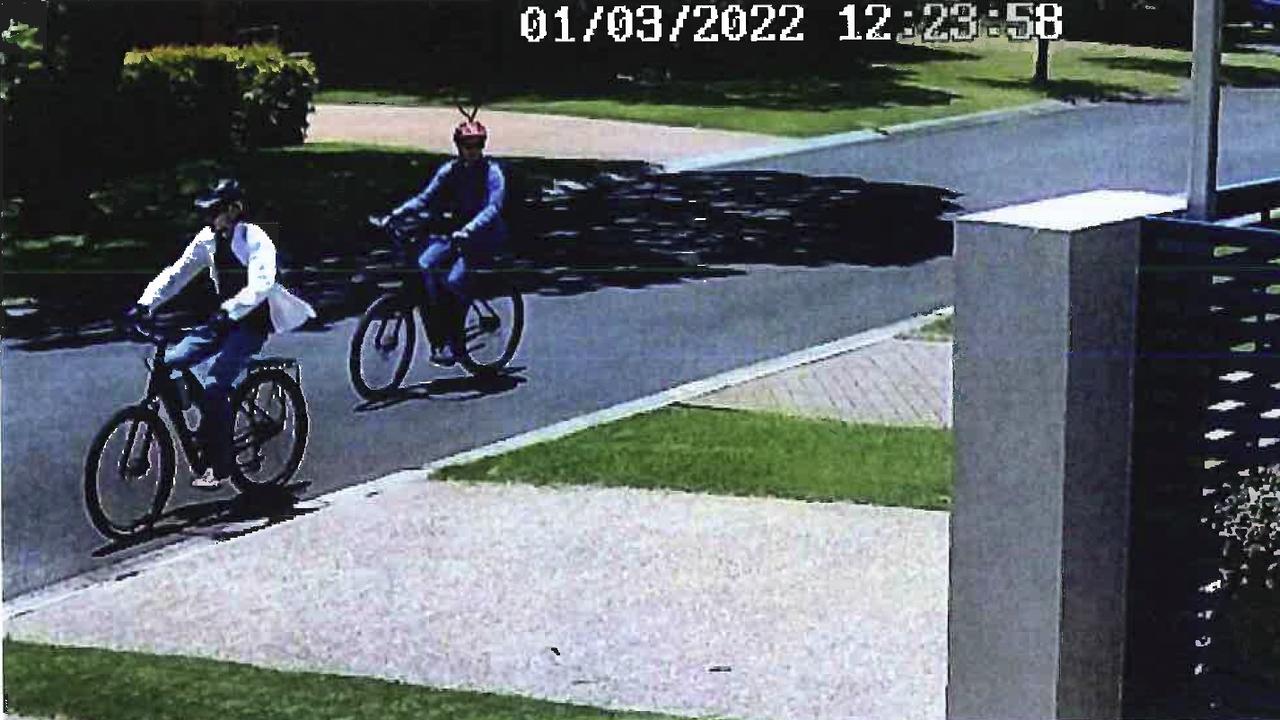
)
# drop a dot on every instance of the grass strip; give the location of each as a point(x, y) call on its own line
point(940, 330)
point(84, 684)
point(739, 453)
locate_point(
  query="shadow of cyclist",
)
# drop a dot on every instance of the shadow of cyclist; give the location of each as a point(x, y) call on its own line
point(222, 519)
point(453, 389)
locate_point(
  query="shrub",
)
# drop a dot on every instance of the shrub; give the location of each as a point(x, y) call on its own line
point(23, 77)
point(1248, 517)
point(185, 101)
point(21, 60)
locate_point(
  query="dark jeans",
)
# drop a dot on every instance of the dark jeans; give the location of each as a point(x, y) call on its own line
point(444, 271)
point(234, 350)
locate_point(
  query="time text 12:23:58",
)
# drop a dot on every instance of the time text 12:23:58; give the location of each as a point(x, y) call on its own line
point(953, 22)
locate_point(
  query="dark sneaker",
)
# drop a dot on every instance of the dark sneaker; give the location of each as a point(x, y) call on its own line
point(443, 357)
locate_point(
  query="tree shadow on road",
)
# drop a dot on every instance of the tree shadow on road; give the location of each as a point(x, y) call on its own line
point(582, 226)
point(222, 519)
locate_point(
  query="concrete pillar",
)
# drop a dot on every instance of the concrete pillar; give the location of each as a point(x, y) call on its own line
point(1045, 318)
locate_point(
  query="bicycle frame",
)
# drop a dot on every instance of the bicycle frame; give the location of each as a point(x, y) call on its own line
point(413, 292)
point(160, 393)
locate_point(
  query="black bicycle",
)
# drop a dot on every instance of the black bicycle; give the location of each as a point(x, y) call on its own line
point(130, 468)
point(383, 344)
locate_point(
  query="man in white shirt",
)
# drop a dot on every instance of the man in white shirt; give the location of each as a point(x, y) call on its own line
point(241, 258)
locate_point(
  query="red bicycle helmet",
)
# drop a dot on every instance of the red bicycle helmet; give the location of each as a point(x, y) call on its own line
point(470, 130)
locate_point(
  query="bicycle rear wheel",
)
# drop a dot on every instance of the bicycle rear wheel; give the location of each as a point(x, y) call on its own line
point(270, 429)
point(382, 347)
point(128, 474)
point(491, 331)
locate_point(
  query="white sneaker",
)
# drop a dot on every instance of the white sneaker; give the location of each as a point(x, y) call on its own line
point(207, 481)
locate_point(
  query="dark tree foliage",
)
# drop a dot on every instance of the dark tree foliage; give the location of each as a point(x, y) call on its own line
point(59, 120)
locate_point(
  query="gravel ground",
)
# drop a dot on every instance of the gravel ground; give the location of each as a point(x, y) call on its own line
point(751, 608)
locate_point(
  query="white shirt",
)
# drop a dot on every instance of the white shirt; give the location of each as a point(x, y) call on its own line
point(254, 249)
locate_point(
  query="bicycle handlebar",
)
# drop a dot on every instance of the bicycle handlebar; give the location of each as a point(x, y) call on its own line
point(145, 329)
point(402, 233)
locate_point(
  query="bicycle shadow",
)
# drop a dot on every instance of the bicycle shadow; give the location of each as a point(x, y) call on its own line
point(221, 519)
point(451, 389)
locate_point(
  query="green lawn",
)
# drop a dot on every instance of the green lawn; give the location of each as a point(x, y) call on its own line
point(88, 684)
point(739, 453)
point(940, 330)
point(922, 83)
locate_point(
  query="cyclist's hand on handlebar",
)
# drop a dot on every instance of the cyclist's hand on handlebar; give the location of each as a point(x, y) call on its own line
point(220, 322)
point(135, 319)
point(137, 313)
point(457, 237)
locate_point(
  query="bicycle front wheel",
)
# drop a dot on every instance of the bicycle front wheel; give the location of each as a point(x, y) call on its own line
point(269, 433)
point(128, 474)
point(382, 347)
point(491, 331)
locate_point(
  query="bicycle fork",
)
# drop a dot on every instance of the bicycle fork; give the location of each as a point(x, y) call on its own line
point(380, 339)
point(131, 466)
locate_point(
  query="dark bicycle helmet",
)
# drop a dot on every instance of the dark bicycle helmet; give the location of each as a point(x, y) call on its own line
point(226, 191)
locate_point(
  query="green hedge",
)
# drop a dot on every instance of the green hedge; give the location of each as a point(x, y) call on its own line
point(186, 101)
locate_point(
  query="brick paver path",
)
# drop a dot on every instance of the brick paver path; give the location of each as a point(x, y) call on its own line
point(896, 382)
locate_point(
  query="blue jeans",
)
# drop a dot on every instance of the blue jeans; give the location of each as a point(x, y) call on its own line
point(234, 350)
point(444, 271)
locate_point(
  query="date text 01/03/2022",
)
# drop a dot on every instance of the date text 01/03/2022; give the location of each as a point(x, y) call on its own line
point(936, 22)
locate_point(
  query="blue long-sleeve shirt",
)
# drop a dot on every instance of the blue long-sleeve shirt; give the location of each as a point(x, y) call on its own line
point(475, 191)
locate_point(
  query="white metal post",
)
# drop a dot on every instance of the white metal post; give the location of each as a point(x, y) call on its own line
point(1205, 66)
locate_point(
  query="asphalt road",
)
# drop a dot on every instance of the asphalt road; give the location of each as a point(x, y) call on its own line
point(1117, 146)
point(595, 349)
point(581, 353)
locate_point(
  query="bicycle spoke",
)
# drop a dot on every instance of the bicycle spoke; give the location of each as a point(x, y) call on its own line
point(127, 455)
point(380, 340)
point(266, 433)
point(128, 483)
point(491, 329)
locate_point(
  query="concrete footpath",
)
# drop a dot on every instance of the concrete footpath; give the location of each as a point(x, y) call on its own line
point(676, 602)
point(515, 134)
